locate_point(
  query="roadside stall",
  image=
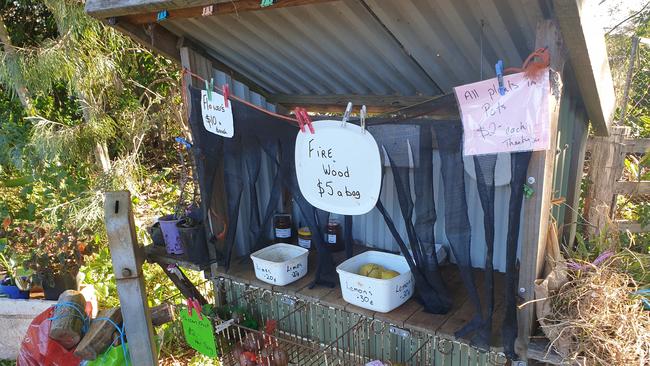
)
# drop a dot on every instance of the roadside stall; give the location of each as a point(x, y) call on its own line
point(375, 177)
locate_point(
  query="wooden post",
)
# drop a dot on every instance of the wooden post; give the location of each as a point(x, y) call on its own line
point(607, 160)
point(127, 257)
point(537, 209)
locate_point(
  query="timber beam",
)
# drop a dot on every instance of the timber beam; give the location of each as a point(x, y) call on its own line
point(185, 9)
point(443, 106)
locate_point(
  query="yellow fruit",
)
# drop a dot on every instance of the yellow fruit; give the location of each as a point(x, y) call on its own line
point(387, 274)
point(367, 268)
point(376, 272)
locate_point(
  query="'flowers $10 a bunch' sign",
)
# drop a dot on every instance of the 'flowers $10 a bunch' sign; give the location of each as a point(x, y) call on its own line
point(217, 118)
point(516, 121)
point(338, 168)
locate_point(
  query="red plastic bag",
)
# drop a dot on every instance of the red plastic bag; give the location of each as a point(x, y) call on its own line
point(37, 349)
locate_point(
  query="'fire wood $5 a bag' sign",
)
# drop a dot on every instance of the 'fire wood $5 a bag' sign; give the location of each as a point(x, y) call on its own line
point(516, 121)
point(338, 168)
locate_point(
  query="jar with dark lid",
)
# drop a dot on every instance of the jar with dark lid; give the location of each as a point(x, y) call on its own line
point(282, 228)
point(333, 236)
point(304, 237)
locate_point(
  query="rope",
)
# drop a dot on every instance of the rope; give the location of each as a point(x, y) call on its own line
point(123, 344)
point(80, 314)
point(219, 89)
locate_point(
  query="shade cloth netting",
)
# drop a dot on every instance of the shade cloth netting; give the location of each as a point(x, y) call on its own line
point(228, 166)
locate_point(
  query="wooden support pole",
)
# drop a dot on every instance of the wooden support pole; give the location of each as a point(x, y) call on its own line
point(537, 209)
point(607, 155)
point(127, 257)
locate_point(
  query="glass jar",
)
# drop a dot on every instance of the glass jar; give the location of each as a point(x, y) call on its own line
point(333, 236)
point(282, 228)
point(304, 237)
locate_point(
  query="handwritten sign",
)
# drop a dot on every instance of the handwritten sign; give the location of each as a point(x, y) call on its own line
point(516, 121)
point(338, 168)
point(216, 117)
point(199, 333)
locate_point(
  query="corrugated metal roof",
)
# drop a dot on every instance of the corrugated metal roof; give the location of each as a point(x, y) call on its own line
point(369, 47)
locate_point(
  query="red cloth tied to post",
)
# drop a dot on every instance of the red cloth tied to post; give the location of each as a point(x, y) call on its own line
point(534, 65)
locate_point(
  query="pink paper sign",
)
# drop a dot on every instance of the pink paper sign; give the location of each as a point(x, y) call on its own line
point(516, 121)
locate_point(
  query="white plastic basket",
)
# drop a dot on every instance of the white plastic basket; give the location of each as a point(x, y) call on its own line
point(280, 264)
point(372, 293)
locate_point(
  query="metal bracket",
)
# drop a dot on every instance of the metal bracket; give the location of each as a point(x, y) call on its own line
point(399, 332)
point(519, 363)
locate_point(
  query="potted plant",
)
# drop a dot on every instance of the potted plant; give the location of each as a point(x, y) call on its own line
point(192, 236)
point(53, 255)
point(15, 283)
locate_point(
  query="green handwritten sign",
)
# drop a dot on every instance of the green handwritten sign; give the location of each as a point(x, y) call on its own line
point(199, 333)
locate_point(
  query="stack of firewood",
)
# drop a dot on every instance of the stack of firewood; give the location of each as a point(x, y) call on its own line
point(67, 325)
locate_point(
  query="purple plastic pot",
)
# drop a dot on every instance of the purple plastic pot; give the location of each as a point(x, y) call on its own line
point(170, 234)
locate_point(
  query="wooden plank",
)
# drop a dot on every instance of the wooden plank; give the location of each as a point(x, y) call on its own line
point(157, 254)
point(100, 335)
point(442, 105)
point(631, 226)
point(430, 323)
point(576, 168)
point(606, 168)
point(155, 38)
point(230, 7)
point(537, 209)
point(636, 145)
point(588, 55)
point(400, 315)
point(632, 188)
point(112, 8)
point(127, 258)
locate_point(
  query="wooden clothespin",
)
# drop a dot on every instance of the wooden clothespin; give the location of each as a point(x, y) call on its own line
point(226, 94)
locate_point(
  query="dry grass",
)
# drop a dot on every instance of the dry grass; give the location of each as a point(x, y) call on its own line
point(596, 319)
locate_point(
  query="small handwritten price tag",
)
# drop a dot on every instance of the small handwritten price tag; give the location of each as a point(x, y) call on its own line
point(516, 121)
point(199, 333)
point(216, 117)
point(338, 168)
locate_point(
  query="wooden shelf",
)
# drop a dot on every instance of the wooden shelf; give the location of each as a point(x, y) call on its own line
point(156, 253)
point(410, 315)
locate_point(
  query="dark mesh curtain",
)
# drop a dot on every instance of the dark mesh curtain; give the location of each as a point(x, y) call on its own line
point(407, 145)
point(258, 135)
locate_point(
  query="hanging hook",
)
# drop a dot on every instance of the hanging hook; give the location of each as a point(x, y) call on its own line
point(362, 118)
point(346, 115)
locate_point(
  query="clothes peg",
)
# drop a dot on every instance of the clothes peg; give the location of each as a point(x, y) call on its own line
point(499, 70)
point(301, 123)
point(266, 3)
point(183, 142)
point(162, 15)
point(207, 11)
point(209, 86)
point(307, 120)
point(362, 118)
point(226, 94)
point(346, 114)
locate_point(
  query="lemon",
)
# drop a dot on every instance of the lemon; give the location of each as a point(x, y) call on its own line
point(367, 268)
point(387, 274)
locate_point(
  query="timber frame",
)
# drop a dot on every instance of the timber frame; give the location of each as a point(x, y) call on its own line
point(567, 34)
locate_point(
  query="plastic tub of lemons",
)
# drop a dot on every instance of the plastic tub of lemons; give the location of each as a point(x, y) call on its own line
point(376, 281)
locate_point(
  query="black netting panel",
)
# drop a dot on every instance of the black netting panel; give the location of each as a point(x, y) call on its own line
point(519, 163)
point(484, 166)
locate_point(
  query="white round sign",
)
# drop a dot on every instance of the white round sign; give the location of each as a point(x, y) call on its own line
point(338, 168)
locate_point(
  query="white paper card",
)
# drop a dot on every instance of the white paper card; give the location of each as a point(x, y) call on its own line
point(516, 121)
point(338, 168)
point(216, 117)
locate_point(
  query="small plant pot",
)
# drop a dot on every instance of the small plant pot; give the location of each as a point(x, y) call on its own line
point(171, 235)
point(194, 243)
point(13, 292)
point(156, 235)
point(62, 282)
